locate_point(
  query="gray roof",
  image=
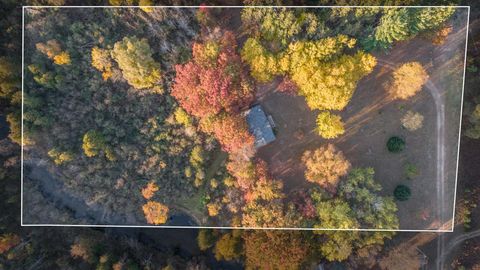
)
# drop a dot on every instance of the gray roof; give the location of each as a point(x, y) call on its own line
point(259, 126)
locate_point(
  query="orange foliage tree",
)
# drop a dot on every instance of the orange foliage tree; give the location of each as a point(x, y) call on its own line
point(149, 190)
point(275, 249)
point(155, 212)
point(231, 131)
point(325, 166)
point(264, 201)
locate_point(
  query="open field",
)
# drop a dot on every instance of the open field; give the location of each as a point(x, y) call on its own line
point(371, 118)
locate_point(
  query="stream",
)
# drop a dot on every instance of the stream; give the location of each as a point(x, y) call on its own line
point(182, 241)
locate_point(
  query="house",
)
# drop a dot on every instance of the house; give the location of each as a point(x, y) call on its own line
point(260, 126)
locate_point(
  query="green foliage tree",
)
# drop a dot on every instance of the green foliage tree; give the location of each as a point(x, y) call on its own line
point(411, 171)
point(9, 81)
point(431, 17)
point(397, 24)
point(93, 143)
point(272, 24)
point(335, 214)
point(205, 239)
point(329, 125)
point(338, 246)
point(14, 122)
point(402, 193)
point(371, 209)
point(393, 26)
point(263, 64)
point(395, 144)
point(473, 129)
point(134, 57)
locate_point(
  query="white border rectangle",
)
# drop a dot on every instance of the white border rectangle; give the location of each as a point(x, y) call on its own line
point(243, 228)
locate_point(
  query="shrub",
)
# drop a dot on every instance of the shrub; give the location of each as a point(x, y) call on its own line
point(402, 193)
point(411, 170)
point(412, 120)
point(395, 144)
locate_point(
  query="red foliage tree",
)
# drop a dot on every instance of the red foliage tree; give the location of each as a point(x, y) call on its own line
point(231, 131)
point(214, 80)
point(305, 204)
point(8, 241)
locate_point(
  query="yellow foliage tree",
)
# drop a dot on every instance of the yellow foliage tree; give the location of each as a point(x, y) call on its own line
point(155, 212)
point(263, 65)
point(60, 157)
point(62, 58)
point(325, 77)
point(329, 125)
point(182, 117)
point(144, 5)
point(325, 166)
point(53, 50)
point(407, 81)
point(330, 85)
point(213, 209)
point(261, 215)
point(102, 61)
